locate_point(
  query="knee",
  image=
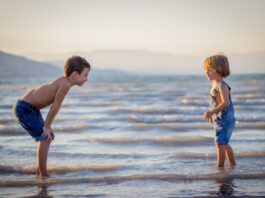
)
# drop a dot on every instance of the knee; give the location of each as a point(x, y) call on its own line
point(45, 142)
point(49, 141)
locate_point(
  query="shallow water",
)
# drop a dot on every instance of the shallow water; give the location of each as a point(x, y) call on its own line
point(136, 136)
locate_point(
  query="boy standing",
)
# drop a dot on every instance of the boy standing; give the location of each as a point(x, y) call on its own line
point(27, 109)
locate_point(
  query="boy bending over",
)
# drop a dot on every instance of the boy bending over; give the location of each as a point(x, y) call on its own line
point(27, 108)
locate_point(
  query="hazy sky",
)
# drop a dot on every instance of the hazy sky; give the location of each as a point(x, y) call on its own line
point(171, 26)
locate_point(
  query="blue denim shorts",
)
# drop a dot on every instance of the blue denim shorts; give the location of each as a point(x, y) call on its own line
point(223, 130)
point(30, 119)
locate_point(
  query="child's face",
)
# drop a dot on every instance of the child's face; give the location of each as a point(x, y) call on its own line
point(210, 73)
point(82, 78)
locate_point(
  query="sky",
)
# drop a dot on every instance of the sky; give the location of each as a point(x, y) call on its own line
point(188, 27)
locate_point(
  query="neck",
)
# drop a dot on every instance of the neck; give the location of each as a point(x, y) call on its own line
point(70, 80)
point(218, 79)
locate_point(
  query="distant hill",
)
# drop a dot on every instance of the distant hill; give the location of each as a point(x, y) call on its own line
point(149, 62)
point(18, 66)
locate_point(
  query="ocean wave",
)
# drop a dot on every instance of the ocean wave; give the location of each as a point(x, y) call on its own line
point(156, 111)
point(95, 103)
point(195, 102)
point(171, 126)
point(102, 168)
point(60, 169)
point(182, 126)
point(8, 169)
point(188, 155)
point(250, 154)
point(251, 118)
point(8, 130)
point(180, 118)
point(100, 155)
point(184, 155)
point(250, 90)
point(248, 96)
point(250, 125)
point(249, 108)
point(166, 118)
point(136, 177)
point(238, 101)
point(7, 119)
point(71, 128)
point(164, 141)
point(6, 106)
point(63, 118)
point(256, 102)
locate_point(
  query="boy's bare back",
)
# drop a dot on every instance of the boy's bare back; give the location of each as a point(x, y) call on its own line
point(44, 95)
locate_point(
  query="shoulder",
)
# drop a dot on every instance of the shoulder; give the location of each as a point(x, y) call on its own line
point(223, 87)
point(62, 84)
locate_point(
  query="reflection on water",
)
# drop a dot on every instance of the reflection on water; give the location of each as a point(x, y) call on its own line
point(42, 192)
point(225, 186)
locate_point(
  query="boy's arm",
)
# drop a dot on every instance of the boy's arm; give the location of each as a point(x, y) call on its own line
point(55, 107)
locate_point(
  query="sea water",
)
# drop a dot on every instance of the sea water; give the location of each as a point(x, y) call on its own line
point(136, 136)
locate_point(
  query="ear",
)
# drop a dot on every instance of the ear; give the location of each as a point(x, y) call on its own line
point(74, 74)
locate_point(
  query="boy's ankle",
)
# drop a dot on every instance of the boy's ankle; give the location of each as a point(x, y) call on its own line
point(44, 175)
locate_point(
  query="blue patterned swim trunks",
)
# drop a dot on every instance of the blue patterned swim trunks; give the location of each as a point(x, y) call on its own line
point(30, 119)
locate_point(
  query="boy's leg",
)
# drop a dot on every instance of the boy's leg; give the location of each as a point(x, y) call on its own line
point(230, 154)
point(220, 150)
point(38, 170)
point(42, 155)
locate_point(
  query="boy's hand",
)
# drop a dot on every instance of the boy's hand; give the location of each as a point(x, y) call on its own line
point(48, 132)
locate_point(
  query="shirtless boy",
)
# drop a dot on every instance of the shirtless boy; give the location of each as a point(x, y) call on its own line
point(27, 108)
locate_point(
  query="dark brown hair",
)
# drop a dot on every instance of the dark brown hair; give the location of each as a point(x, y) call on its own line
point(75, 63)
